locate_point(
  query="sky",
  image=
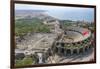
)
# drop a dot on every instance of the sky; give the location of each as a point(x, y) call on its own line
point(62, 12)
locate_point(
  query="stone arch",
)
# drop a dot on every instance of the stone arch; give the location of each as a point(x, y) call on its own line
point(62, 44)
point(75, 51)
point(78, 42)
point(74, 43)
point(68, 51)
point(57, 43)
point(81, 50)
point(62, 50)
point(56, 49)
point(86, 48)
point(82, 42)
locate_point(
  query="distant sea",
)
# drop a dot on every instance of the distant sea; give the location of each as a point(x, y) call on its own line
point(66, 15)
point(73, 15)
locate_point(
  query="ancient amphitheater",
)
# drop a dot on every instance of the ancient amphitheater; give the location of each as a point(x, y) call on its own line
point(74, 40)
point(48, 47)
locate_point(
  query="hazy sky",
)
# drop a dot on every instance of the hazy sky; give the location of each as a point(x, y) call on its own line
point(74, 13)
point(43, 7)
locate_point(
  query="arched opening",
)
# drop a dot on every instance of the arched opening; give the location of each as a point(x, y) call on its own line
point(78, 42)
point(65, 52)
point(49, 52)
point(86, 48)
point(82, 42)
point(68, 52)
point(56, 49)
point(62, 44)
point(75, 51)
point(62, 50)
point(74, 44)
point(81, 50)
point(90, 46)
point(57, 43)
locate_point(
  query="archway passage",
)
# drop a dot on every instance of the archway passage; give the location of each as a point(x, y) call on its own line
point(90, 46)
point(62, 44)
point(68, 52)
point(57, 43)
point(56, 49)
point(75, 51)
point(62, 51)
point(86, 48)
point(81, 50)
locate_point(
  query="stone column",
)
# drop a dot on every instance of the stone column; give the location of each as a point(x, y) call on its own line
point(83, 49)
point(78, 51)
point(65, 52)
point(71, 51)
point(88, 47)
point(59, 50)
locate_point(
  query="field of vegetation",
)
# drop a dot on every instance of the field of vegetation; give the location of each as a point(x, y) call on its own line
point(24, 26)
point(25, 61)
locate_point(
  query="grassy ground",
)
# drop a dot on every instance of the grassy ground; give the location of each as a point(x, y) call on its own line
point(24, 26)
point(24, 62)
